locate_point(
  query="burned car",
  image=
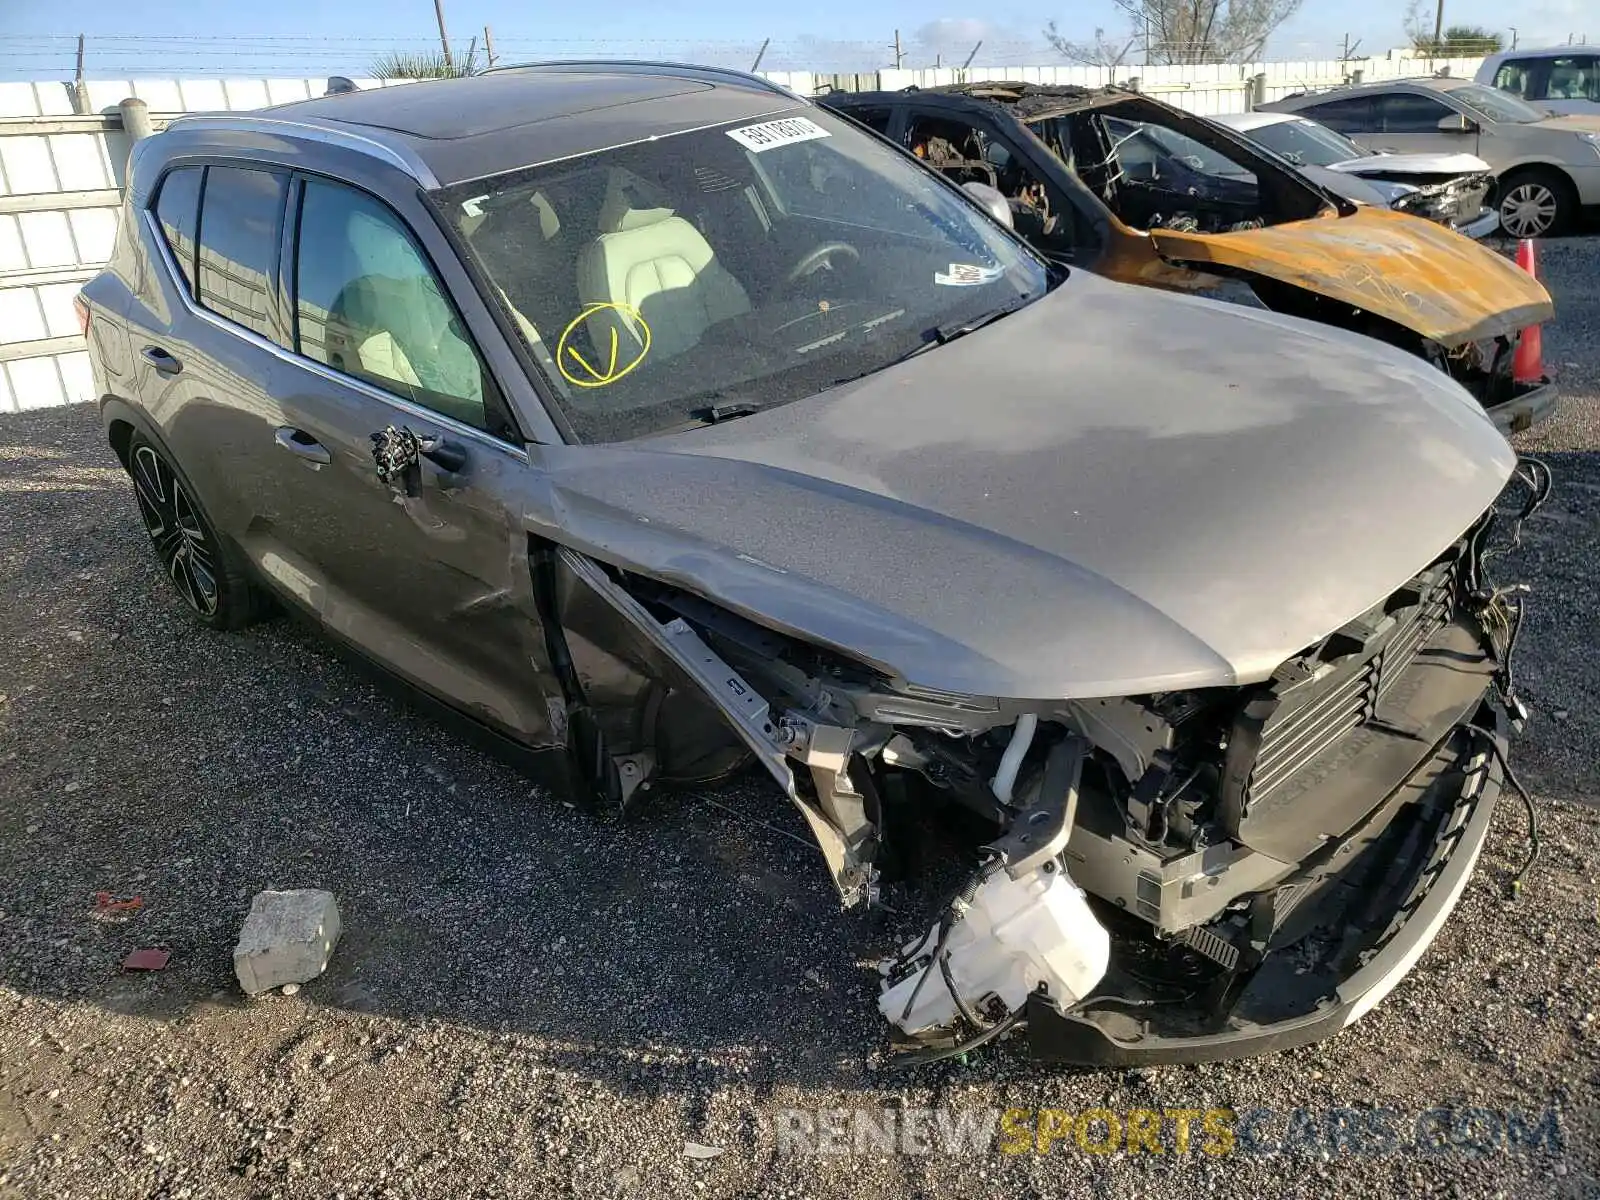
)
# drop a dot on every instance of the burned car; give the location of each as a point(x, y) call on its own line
point(1142, 192)
point(663, 425)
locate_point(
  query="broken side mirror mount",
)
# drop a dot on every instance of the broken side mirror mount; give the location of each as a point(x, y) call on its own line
point(1457, 123)
point(991, 201)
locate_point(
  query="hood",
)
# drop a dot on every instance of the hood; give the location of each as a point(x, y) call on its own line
point(1572, 123)
point(1416, 273)
point(1113, 491)
point(1349, 186)
point(1413, 164)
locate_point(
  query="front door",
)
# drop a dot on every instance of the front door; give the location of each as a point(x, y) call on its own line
point(422, 565)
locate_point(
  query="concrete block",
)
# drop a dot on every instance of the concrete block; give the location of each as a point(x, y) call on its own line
point(20, 317)
point(48, 239)
point(12, 257)
point(202, 95)
point(35, 383)
point(95, 232)
point(81, 161)
point(287, 938)
point(27, 165)
point(77, 376)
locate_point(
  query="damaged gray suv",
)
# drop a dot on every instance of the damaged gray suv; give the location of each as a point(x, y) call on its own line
point(665, 425)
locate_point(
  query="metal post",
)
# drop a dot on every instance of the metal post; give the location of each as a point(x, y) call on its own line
point(760, 54)
point(972, 56)
point(444, 37)
point(488, 45)
point(899, 54)
point(135, 119)
point(1438, 26)
point(80, 89)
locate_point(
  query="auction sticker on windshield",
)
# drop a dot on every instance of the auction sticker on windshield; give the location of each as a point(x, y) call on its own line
point(967, 275)
point(771, 134)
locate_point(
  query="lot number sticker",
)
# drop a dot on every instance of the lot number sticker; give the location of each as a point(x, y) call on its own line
point(770, 134)
point(967, 275)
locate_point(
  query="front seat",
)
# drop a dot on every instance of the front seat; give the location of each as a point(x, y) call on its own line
point(657, 264)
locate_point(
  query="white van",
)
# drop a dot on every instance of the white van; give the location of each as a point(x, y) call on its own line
point(1564, 79)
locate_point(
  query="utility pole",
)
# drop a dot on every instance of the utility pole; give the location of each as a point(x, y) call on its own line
point(1513, 29)
point(444, 37)
point(488, 45)
point(972, 56)
point(899, 55)
point(760, 54)
point(1438, 26)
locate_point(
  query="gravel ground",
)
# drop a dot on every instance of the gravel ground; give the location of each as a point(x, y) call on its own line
point(533, 1001)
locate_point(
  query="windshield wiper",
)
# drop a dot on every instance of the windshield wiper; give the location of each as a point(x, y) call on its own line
point(941, 335)
point(724, 412)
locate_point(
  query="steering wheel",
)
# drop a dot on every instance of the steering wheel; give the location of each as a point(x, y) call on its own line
point(812, 259)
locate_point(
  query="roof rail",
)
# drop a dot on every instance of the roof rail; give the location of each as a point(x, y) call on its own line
point(328, 134)
point(641, 65)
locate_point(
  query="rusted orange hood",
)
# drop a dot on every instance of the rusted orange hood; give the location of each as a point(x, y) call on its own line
point(1416, 273)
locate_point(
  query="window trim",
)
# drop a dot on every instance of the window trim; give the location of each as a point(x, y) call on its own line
point(289, 247)
point(274, 293)
point(153, 207)
point(175, 277)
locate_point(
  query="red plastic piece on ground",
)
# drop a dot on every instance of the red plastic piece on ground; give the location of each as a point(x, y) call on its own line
point(146, 960)
point(1527, 365)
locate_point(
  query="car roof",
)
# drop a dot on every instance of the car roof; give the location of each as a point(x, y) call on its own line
point(448, 131)
point(1030, 101)
point(1582, 50)
point(1256, 120)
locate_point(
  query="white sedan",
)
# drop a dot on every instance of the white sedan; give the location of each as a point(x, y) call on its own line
point(1449, 188)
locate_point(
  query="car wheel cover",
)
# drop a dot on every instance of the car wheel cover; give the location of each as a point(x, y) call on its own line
point(1528, 210)
point(174, 526)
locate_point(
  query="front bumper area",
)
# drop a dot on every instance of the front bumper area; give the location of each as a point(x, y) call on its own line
point(1531, 404)
point(1351, 923)
point(1481, 226)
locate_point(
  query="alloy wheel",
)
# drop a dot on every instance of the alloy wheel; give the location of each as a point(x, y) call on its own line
point(1528, 210)
point(181, 539)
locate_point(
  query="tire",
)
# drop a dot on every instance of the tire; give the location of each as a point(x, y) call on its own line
point(208, 573)
point(1536, 202)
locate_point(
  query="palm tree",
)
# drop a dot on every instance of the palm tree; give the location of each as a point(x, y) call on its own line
point(426, 65)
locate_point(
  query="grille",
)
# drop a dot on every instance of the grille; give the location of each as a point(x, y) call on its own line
point(1312, 706)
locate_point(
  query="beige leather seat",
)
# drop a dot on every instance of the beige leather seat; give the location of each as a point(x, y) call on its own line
point(658, 264)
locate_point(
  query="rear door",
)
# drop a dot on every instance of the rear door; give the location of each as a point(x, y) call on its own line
point(1408, 123)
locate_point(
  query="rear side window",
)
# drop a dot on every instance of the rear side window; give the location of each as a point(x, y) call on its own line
point(1513, 77)
point(178, 213)
point(368, 304)
point(240, 220)
point(1346, 116)
point(873, 118)
point(1576, 78)
point(1404, 112)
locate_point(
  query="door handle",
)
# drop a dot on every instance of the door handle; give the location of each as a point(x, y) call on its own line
point(162, 361)
point(302, 445)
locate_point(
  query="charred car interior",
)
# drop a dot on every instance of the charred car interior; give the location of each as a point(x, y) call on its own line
point(1146, 193)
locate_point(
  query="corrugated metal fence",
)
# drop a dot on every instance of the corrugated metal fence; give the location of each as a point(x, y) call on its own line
point(62, 155)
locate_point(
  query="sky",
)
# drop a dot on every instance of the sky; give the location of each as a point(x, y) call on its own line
point(315, 37)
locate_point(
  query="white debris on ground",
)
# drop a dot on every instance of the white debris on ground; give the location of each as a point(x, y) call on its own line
point(287, 939)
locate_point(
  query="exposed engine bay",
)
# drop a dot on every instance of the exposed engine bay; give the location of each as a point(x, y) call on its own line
point(1168, 877)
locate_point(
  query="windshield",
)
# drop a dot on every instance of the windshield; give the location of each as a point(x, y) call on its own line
point(707, 273)
point(1305, 143)
point(1496, 105)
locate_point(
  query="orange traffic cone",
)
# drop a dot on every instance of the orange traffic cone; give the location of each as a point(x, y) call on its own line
point(1527, 365)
